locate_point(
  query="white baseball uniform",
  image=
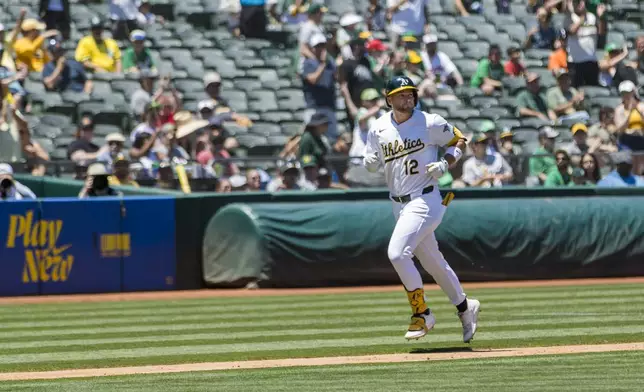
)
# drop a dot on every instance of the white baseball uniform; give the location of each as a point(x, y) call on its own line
point(404, 150)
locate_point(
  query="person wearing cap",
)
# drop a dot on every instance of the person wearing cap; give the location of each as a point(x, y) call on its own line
point(121, 174)
point(29, 48)
point(438, 66)
point(565, 101)
point(309, 166)
point(408, 16)
point(583, 30)
point(414, 68)
point(98, 53)
point(56, 15)
point(579, 143)
point(542, 161)
point(318, 83)
point(376, 16)
point(137, 57)
point(115, 143)
point(145, 17)
point(489, 72)
point(629, 121)
point(508, 149)
point(558, 59)
point(514, 66)
point(63, 74)
point(313, 26)
point(370, 109)
point(7, 40)
point(603, 132)
point(10, 189)
point(531, 102)
point(349, 30)
point(289, 178)
point(144, 94)
point(484, 169)
point(623, 175)
point(613, 68)
point(354, 76)
point(543, 35)
point(488, 128)
point(97, 183)
point(313, 140)
point(123, 15)
point(83, 148)
point(212, 87)
point(561, 176)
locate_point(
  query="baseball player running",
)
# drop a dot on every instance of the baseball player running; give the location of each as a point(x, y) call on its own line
point(406, 142)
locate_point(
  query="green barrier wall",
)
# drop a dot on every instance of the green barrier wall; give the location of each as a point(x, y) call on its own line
point(344, 242)
point(59, 187)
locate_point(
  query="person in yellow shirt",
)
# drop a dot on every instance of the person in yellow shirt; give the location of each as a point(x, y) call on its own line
point(97, 53)
point(121, 172)
point(29, 48)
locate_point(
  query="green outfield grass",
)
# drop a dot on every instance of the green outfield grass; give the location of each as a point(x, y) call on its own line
point(83, 335)
point(587, 372)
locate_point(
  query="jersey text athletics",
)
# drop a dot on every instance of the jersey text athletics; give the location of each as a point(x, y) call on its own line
point(397, 150)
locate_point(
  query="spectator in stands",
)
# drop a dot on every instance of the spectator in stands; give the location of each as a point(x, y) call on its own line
point(542, 162)
point(565, 101)
point(309, 178)
point(83, 149)
point(29, 49)
point(603, 132)
point(224, 186)
point(97, 182)
point(10, 189)
point(253, 181)
point(55, 14)
point(318, 83)
point(313, 141)
point(168, 105)
point(488, 129)
point(629, 121)
point(145, 17)
point(561, 176)
point(325, 180)
point(590, 164)
point(143, 96)
point(489, 72)
point(413, 70)
point(531, 102)
point(579, 143)
point(438, 66)
point(467, 7)
point(13, 81)
point(370, 109)
point(212, 85)
point(354, 76)
point(510, 151)
point(514, 66)
point(483, 169)
point(578, 177)
point(376, 16)
point(253, 19)
point(144, 138)
point(115, 143)
point(10, 146)
point(623, 175)
point(408, 16)
point(583, 29)
point(63, 74)
point(30, 150)
point(615, 56)
point(639, 63)
point(7, 41)
point(216, 152)
point(121, 174)
point(137, 57)
point(559, 57)
point(347, 32)
point(175, 152)
point(165, 176)
point(313, 26)
point(123, 14)
point(97, 53)
point(543, 35)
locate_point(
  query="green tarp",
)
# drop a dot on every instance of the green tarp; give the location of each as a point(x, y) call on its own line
point(345, 242)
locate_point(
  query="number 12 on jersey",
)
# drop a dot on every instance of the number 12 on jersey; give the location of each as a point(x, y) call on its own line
point(411, 167)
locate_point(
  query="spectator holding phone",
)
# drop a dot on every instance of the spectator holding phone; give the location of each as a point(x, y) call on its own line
point(10, 189)
point(97, 182)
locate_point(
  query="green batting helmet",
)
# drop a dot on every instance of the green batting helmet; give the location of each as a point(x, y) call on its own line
point(398, 84)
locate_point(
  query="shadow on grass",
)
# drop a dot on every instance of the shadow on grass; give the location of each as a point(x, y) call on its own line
point(436, 350)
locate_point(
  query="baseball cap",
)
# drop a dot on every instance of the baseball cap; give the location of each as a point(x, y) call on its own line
point(115, 137)
point(548, 132)
point(211, 77)
point(309, 161)
point(137, 35)
point(97, 169)
point(208, 104)
point(96, 22)
point(579, 127)
point(559, 72)
point(506, 133)
point(531, 77)
point(365, 35)
point(289, 166)
point(52, 44)
point(237, 180)
point(369, 94)
point(413, 57)
point(120, 157)
point(315, 8)
point(626, 87)
point(611, 47)
point(350, 19)
point(409, 37)
point(479, 138)
point(32, 24)
point(487, 126)
point(430, 38)
point(316, 40)
point(6, 169)
point(376, 45)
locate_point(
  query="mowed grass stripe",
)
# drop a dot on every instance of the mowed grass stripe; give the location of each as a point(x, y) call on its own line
point(558, 291)
point(382, 324)
point(571, 304)
point(301, 344)
point(433, 300)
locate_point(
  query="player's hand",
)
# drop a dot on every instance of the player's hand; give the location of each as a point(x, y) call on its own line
point(371, 162)
point(437, 169)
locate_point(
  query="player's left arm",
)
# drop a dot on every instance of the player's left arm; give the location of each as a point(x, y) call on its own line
point(446, 135)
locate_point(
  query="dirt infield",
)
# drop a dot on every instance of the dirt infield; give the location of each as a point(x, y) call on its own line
point(165, 295)
point(324, 361)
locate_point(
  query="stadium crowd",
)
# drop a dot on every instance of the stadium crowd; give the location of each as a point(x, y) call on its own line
point(586, 135)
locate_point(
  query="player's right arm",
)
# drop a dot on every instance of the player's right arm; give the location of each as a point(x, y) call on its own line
point(371, 157)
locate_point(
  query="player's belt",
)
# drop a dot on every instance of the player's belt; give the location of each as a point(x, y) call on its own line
point(407, 198)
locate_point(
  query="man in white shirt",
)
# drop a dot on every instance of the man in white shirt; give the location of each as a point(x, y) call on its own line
point(312, 27)
point(10, 189)
point(123, 14)
point(584, 29)
point(484, 169)
point(438, 65)
point(408, 16)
